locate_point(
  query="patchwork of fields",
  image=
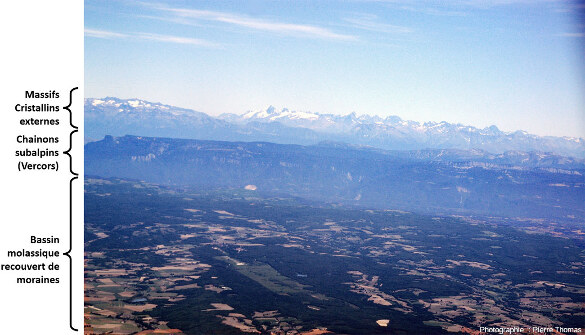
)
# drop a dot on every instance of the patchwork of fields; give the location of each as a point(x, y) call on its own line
point(167, 261)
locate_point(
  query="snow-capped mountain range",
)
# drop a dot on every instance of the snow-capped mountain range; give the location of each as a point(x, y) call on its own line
point(113, 116)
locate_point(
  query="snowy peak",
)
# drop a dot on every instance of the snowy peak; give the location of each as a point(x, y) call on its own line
point(392, 132)
point(133, 105)
point(115, 102)
point(281, 125)
point(272, 114)
point(114, 116)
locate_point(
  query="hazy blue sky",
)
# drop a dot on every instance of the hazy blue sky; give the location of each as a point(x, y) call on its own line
point(518, 64)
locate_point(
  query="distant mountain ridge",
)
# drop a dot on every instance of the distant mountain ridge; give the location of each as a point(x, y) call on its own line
point(427, 180)
point(113, 116)
point(133, 116)
point(393, 132)
point(479, 158)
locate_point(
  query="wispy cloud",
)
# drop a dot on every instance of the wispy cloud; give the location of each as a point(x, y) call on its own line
point(303, 30)
point(371, 22)
point(175, 39)
point(173, 19)
point(434, 11)
point(148, 36)
point(103, 34)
